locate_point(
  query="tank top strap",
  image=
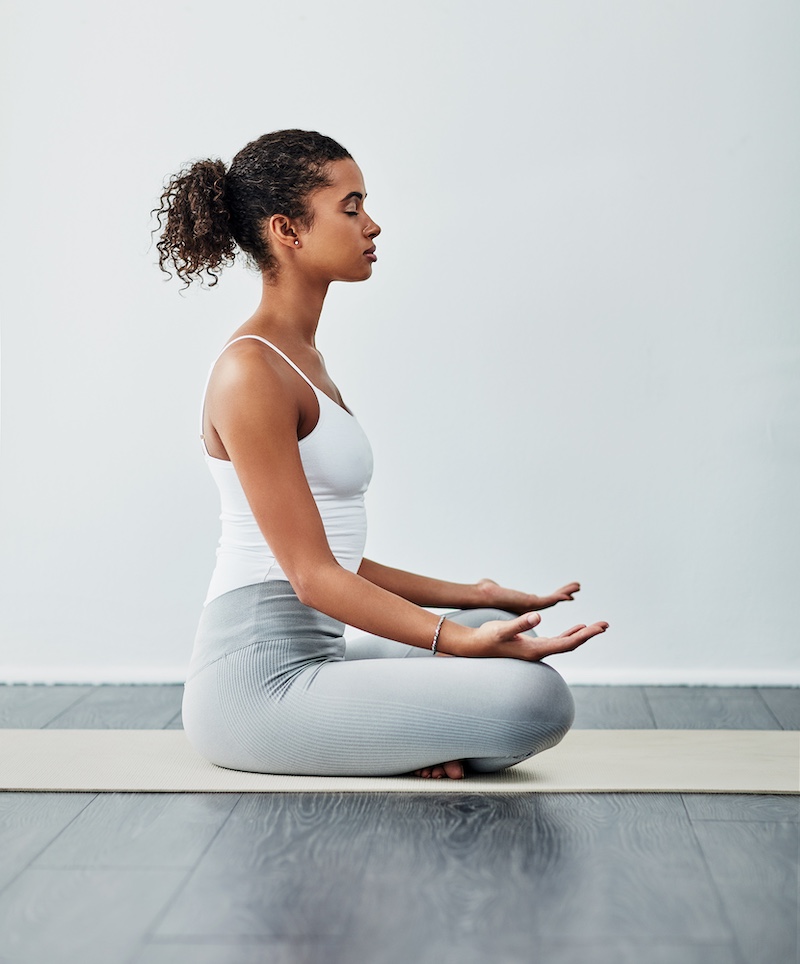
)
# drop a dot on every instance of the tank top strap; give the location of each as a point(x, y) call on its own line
point(269, 344)
point(277, 350)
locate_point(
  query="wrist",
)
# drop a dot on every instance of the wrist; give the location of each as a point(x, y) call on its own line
point(484, 594)
point(494, 596)
point(454, 639)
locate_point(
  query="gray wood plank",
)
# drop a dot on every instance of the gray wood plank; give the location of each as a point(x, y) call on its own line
point(444, 832)
point(122, 707)
point(709, 708)
point(599, 868)
point(32, 707)
point(91, 916)
point(275, 951)
point(627, 953)
point(784, 703)
point(284, 865)
point(625, 869)
point(611, 708)
point(461, 864)
point(140, 830)
point(755, 868)
point(29, 822)
point(498, 951)
point(742, 806)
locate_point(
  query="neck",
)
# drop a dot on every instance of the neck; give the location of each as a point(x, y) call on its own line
point(290, 307)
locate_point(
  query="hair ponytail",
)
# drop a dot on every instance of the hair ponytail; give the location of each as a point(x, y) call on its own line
point(197, 236)
point(210, 212)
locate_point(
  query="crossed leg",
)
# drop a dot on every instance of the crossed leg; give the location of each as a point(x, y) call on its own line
point(376, 647)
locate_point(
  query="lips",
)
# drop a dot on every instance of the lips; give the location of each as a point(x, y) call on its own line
point(370, 254)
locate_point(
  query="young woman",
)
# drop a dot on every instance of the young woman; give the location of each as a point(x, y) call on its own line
point(272, 686)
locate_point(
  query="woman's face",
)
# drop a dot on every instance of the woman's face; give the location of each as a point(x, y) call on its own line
point(339, 245)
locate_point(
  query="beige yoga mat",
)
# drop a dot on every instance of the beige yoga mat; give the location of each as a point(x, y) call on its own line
point(589, 761)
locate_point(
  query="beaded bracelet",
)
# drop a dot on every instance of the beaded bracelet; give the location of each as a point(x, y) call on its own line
point(436, 635)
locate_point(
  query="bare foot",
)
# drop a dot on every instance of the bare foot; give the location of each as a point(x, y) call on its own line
point(454, 769)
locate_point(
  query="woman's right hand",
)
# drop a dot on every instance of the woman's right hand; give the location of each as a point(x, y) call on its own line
point(506, 638)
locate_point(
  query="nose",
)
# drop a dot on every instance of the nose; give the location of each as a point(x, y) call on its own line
point(372, 230)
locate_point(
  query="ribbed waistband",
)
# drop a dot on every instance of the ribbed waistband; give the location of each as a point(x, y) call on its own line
point(259, 613)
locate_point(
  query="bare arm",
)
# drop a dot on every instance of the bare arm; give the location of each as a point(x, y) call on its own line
point(439, 593)
point(422, 590)
point(256, 415)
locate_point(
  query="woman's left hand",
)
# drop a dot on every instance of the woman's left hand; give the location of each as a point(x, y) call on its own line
point(495, 596)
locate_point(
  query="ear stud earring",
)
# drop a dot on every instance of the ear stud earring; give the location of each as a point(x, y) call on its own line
point(297, 242)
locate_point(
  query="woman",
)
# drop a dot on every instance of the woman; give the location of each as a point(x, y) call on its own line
point(272, 686)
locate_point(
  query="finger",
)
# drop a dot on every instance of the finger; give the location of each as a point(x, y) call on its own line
point(525, 622)
point(580, 634)
point(595, 628)
point(575, 629)
point(509, 629)
point(566, 643)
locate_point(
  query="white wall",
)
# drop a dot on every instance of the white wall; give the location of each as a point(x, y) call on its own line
point(577, 358)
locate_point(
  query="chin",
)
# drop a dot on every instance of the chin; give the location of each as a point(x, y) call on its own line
point(362, 275)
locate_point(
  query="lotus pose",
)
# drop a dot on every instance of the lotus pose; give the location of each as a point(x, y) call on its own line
point(272, 685)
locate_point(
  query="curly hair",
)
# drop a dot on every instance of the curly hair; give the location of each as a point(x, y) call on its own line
point(210, 211)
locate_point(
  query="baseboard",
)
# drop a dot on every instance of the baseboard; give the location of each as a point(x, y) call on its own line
point(609, 676)
point(93, 675)
point(681, 677)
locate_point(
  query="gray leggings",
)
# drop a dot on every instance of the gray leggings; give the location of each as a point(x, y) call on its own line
point(273, 688)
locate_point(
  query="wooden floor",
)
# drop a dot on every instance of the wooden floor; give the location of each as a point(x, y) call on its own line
point(124, 878)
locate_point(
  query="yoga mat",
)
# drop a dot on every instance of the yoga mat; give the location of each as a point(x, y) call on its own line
point(588, 761)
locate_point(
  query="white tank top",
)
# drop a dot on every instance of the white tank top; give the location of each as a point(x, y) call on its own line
point(337, 460)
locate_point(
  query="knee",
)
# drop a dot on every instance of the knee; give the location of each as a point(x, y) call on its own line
point(560, 706)
point(544, 700)
point(539, 710)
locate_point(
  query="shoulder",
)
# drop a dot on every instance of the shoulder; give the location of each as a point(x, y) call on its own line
point(253, 365)
point(251, 375)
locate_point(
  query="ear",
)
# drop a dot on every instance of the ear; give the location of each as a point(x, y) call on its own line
point(281, 230)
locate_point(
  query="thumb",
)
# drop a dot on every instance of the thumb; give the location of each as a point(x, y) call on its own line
point(523, 623)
